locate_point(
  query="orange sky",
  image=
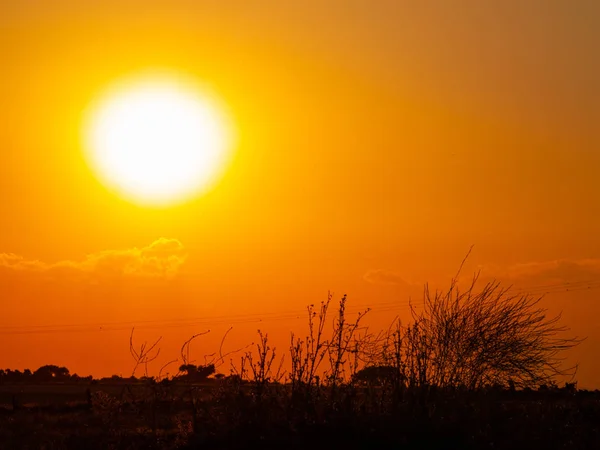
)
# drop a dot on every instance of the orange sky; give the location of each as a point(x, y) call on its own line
point(377, 142)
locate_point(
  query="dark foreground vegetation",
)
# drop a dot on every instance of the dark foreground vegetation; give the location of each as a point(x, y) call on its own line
point(473, 369)
point(230, 416)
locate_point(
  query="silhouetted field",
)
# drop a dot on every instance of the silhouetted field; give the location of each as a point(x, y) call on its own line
point(65, 393)
point(229, 416)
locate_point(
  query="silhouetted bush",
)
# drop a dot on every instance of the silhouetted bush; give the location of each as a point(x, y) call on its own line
point(472, 339)
point(195, 373)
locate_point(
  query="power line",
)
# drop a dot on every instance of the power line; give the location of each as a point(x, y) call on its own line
point(376, 307)
point(564, 283)
point(174, 323)
point(250, 316)
point(567, 287)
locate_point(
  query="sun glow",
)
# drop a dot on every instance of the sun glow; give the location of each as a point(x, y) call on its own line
point(158, 140)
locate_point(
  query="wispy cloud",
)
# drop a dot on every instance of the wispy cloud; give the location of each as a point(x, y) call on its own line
point(382, 276)
point(544, 272)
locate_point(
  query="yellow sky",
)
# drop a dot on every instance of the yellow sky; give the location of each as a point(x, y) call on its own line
point(378, 141)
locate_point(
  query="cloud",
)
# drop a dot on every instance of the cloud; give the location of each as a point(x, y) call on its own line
point(557, 270)
point(162, 258)
point(382, 276)
point(545, 272)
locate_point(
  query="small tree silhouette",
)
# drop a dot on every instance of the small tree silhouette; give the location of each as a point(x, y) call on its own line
point(196, 373)
point(51, 372)
point(374, 375)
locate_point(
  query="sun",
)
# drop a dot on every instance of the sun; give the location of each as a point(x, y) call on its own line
point(158, 139)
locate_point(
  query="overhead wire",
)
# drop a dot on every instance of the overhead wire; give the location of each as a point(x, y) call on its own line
point(375, 308)
point(173, 323)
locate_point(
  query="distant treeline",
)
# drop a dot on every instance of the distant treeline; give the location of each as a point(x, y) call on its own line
point(56, 374)
point(47, 373)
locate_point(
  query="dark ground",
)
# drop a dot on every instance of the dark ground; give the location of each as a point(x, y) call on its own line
point(221, 416)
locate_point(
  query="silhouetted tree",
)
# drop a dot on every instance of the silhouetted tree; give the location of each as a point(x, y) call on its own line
point(205, 371)
point(51, 373)
point(16, 375)
point(192, 372)
point(375, 375)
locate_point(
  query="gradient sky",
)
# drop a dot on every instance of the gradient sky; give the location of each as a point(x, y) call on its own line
point(378, 141)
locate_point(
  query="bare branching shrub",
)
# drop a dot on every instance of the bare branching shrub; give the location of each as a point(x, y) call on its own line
point(162, 375)
point(260, 366)
point(340, 348)
point(185, 348)
point(217, 359)
point(145, 354)
point(474, 338)
point(343, 343)
point(385, 358)
point(308, 354)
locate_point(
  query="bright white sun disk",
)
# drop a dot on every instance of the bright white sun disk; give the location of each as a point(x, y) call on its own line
point(158, 141)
